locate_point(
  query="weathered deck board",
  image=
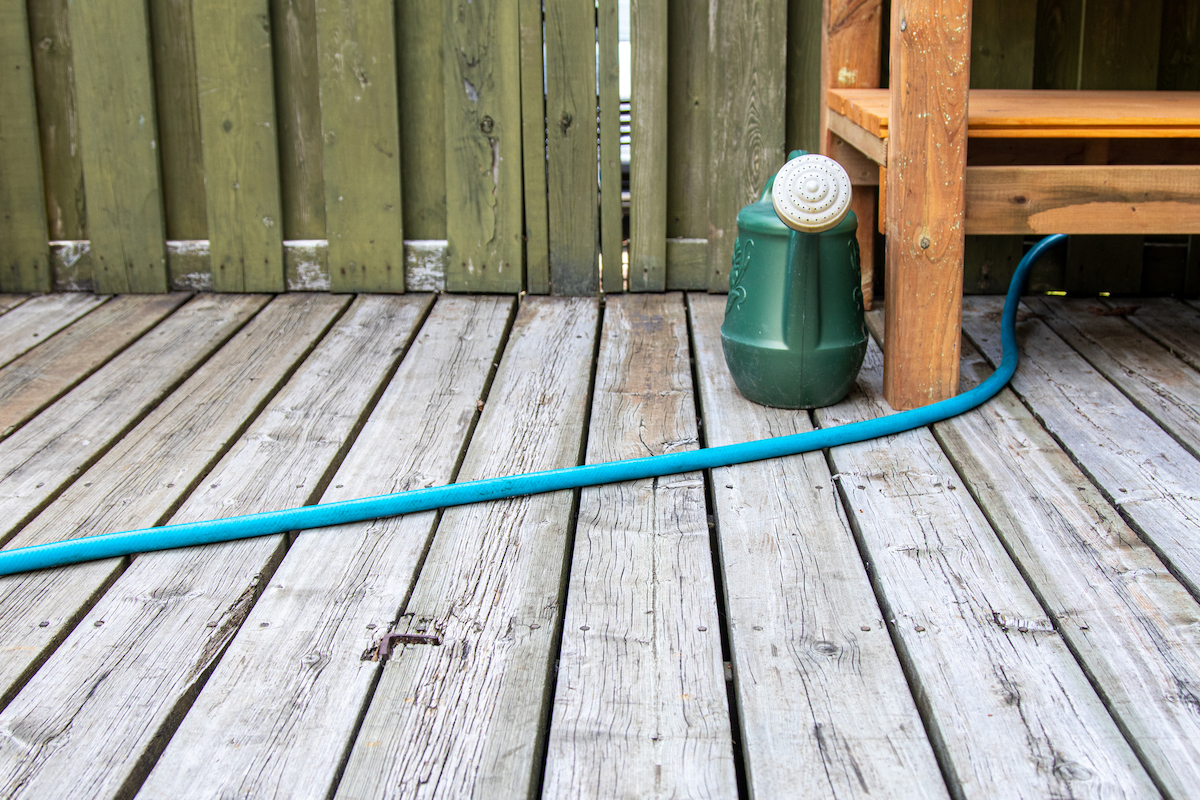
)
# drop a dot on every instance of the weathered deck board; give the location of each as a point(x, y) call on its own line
point(1138, 466)
point(123, 685)
point(1158, 382)
point(1003, 707)
point(10, 301)
point(48, 452)
point(37, 378)
point(148, 472)
point(1176, 325)
point(640, 678)
point(467, 717)
point(825, 710)
point(31, 323)
point(1133, 626)
point(278, 714)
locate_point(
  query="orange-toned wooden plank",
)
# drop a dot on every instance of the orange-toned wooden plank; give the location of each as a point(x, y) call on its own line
point(930, 71)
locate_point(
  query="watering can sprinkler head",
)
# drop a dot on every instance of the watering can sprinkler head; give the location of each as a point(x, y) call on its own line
point(811, 193)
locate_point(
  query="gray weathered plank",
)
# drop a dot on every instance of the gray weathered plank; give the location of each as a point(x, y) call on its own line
point(1007, 707)
point(571, 125)
point(360, 126)
point(280, 710)
point(123, 686)
point(464, 718)
point(640, 680)
point(1130, 623)
point(27, 326)
point(50, 451)
point(1158, 383)
point(825, 710)
point(10, 301)
point(37, 378)
point(1174, 324)
point(648, 149)
point(1138, 466)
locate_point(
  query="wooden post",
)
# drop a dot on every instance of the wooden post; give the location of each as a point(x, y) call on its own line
point(850, 52)
point(927, 157)
point(648, 151)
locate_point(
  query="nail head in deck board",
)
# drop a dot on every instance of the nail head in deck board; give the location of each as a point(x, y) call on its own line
point(1010, 712)
point(482, 83)
point(178, 119)
point(1142, 471)
point(422, 118)
point(533, 139)
point(824, 706)
point(27, 326)
point(646, 690)
point(648, 150)
point(467, 715)
point(241, 165)
point(293, 745)
point(37, 378)
point(119, 140)
point(157, 653)
point(931, 58)
point(1158, 382)
point(24, 256)
point(571, 146)
point(50, 451)
point(1128, 621)
point(612, 222)
point(747, 65)
point(360, 126)
point(298, 113)
point(58, 119)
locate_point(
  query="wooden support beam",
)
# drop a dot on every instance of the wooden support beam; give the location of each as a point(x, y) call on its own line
point(931, 54)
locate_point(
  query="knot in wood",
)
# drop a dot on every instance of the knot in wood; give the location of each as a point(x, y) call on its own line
point(487, 125)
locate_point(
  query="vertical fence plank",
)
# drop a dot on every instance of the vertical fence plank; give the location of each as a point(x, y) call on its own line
point(611, 213)
point(356, 42)
point(422, 118)
point(1002, 57)
point(24, 247)
point(298, 115)
point(119, 127)
point(58, 120)
point(687, 145)
point(648, 153)
point(484, 220)
point(571, 131)
point(805, 85)
point(184, 207)
point(747, 60)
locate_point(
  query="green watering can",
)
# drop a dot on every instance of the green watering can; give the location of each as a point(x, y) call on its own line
point(794, 334)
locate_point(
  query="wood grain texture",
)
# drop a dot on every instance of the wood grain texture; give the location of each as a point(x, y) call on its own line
point(1128, 621)
point(156, 655)
point(241, 162)
point(640, 679)
point(1138, 466)
point(571, 147)
point(1179, 46)
point(482, 83)
point(356, 43)
point(31, 323)
point(419, 48)
point(806, 31)
point(58, 119)
point(1175, 325)
point(747, 65)
point(50, 451)
point(280, 709)
point(10, 301)
point(463, 717)
point(687, 264)
point(119, 140)
point(1008, 708)
point(648, 147)
point(24, 253)
point(925, 199)
point(37, 378)
point(298, 116)
point(178, 103)
point(612, 223)
point(825, 710)
point(687, 125)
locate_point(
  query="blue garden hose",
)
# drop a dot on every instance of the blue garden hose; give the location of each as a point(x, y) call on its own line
point(109, 545)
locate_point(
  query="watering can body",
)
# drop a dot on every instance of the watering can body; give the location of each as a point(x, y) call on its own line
point(794, 334)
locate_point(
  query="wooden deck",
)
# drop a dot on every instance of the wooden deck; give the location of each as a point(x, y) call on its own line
point(1001, 606)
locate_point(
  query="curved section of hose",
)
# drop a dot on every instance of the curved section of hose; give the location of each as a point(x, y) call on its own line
point(222, 530)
